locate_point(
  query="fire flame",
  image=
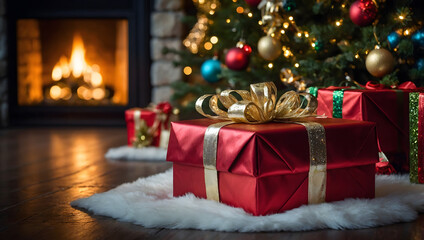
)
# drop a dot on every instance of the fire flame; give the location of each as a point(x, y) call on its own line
point(78, 63)
point(79, 68)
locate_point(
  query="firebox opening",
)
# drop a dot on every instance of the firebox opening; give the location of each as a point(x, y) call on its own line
point(72, 62)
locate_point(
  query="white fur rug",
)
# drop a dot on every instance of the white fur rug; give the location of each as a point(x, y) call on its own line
point(149, 202)
point(136, 154)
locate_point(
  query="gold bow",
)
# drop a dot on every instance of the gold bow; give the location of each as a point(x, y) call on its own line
point(259, 105)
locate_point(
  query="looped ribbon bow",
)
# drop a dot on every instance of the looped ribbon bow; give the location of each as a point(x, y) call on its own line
point(259, 105)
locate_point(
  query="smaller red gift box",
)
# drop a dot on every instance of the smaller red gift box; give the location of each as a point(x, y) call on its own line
point(266, 168)
point(388, 108)
point(148, 116)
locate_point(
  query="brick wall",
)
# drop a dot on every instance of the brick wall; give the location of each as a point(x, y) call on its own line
point(166, 31)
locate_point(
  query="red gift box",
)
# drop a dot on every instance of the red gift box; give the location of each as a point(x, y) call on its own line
point(388, 108)
point(264, 168)
point(148, 116)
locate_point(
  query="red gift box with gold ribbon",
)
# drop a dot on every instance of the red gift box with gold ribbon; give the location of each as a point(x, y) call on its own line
point(270, 155)
point(133, 117)
point(267, 168)
point(388, 108)
point(156, 117)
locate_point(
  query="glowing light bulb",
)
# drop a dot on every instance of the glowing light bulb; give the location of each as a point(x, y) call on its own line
point(214, 39)
point(291, 18)
point(270, 65)
point(290, 80)
point(282, 31)
point(285, 24)
point(401, 17)
point(239, 10)
point(296, 65)
point(287, 53)
point(187, 70)
point(250, 15)
point(207, 45)
point(228, 20)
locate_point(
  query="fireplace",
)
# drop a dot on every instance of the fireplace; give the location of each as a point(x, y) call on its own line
point(77, 62)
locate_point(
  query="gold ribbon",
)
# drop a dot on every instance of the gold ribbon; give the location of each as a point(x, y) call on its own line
point(137, 121)
point(317, 162)
point(259, 105)
point(210, 148)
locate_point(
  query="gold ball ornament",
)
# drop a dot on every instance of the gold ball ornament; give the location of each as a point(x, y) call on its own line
point(380, 62)
point(269, 48)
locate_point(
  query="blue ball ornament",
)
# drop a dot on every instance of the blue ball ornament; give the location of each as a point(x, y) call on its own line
point(394, 39)
point(418, 38)
point(210, 70)
point(420, 64)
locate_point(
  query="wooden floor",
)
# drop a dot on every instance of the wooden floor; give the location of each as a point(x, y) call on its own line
point(42, 170)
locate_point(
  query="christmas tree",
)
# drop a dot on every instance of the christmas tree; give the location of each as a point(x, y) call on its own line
point(300, 43)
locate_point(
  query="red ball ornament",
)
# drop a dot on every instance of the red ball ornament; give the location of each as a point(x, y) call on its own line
point(253, 3)
point(363, 12)
point(237, 59)
point(247, 49)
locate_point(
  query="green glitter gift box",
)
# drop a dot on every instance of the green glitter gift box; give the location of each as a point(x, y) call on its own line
point(416, 137)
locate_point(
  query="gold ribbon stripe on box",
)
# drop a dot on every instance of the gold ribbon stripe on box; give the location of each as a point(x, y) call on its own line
point(260, 106)
point(210, 147)
point(137, 121)
point(317, 162)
